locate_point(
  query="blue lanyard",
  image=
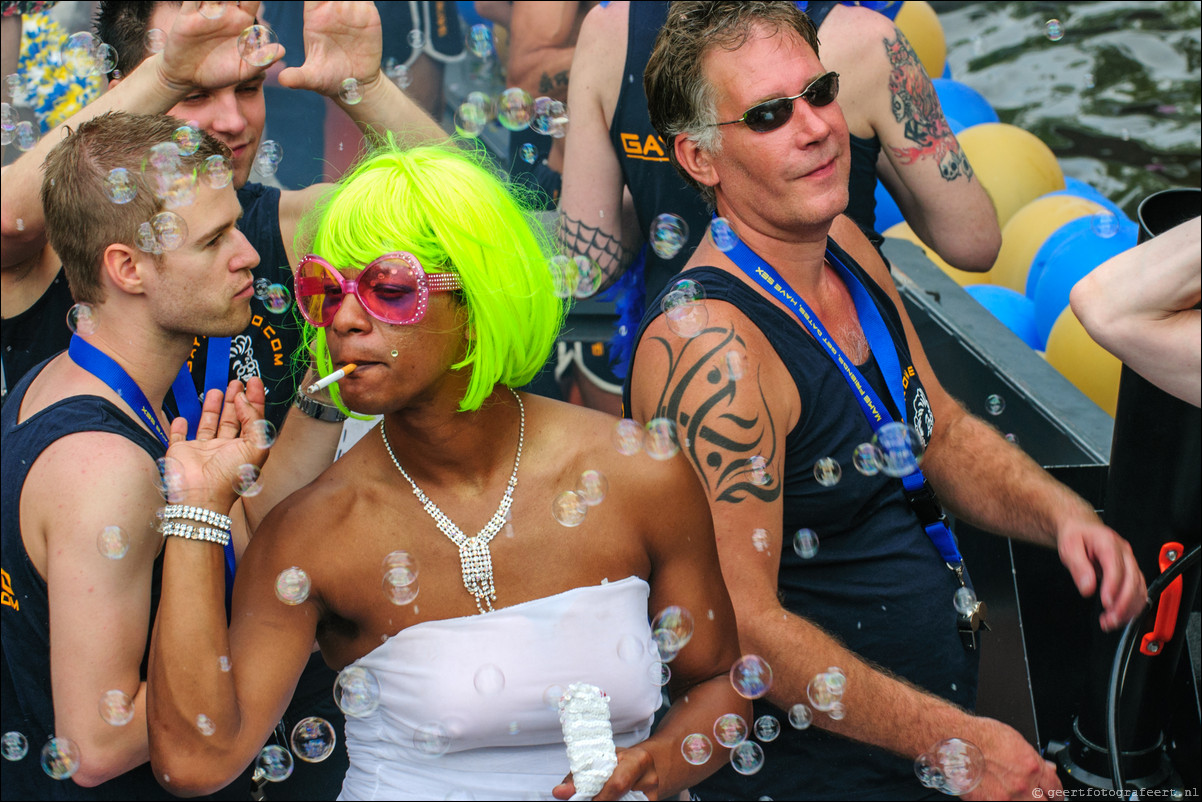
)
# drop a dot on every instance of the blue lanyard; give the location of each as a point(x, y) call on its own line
point(882, 347)
point(105, 368)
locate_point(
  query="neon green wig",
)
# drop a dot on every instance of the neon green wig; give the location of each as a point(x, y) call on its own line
point(454, 214)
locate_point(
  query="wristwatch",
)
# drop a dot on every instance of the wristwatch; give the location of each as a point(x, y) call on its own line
point(317, 410)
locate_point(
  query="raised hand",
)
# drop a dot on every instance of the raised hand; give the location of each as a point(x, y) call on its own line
point(203, 52)
point(342, 40)
point(209, 465)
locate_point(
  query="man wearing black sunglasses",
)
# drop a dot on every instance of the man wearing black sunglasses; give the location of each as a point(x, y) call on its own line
point(848, 583)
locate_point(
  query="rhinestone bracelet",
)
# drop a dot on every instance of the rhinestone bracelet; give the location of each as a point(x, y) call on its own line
point(198, 514)
point(190, 532)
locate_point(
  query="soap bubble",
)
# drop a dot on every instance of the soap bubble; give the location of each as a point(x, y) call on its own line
point(489, 680)
point(628, 437)
point(837, 711)
point(568, 509)
point(630, 648)
point(277, 299)
point(8, 123)
point(828, 471)
point(78, 54)
point(211, 9)
point(469, 119)
point(273, 764)
point(671, 630)
point(747, 758)
point(262, 433)
point(313, 739)
point(696, 749)
point(995, 404)
point(588, 276)
point(357, 691)
point(187, 139)
point(416, 39)
point(735, 365)
point(14, 745)
point(223, 663)
point(258, 45)
point(660, 439)
point(217, 171)
point(867, 459)
point(757, 467)
point(952, 766)
point(116, 708)
point(485, 101)
point(171, 478)
point(112, 542)
point(400, 75)
point(547, 115)
point(25, 136)
point(515, 108)
point(551, 696)
point(146, 240)
point(661, 674)
point(163, 159)
point(120, 186)
point(480, 42)
point(104, 60)
point(400, 577)
point(563, 275)
point(1054, 30)
point(1105, 224)
point(759, 539)
point(350, 91)
point(156, 40)
point(292, 586)
point(205, 725)
point(16, 89)
point(800, 717)
point(730, 730)
point(170, 230)
point(964, 600)
point(900, 449)
point(751, 676)
point(529, 153)
point(824, 690)
point(60, 758)
point(82, 320)
point(686, 317)
point(246, 483)
point(177, 190)
point(669, 233)
point(432, 740)
point(767, 728)
point(268, 157)
point(592, 487)
point(723, 236)
point(805, 543)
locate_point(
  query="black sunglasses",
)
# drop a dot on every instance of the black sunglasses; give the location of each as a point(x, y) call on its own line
point(772, 114)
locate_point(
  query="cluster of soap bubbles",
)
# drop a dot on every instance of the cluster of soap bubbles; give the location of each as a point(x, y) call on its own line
point(669, 233)
point(657, 438)
point(258, 45)
point(268, 157)
point(825, 692)
point(357, 691)
point(952, 766)
point(684, 309)
point(400, 577)
point(84, 55)
point(81, 320)
point(671, 630)
point(575, 277)
point(292, 586)
point(751, 676)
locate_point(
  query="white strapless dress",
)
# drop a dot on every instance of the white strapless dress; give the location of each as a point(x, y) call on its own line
point(468, 706)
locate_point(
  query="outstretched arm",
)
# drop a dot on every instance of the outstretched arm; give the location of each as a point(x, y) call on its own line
point(591, 204)
point(1142, 307)
point(886, 89)
point(729, 421)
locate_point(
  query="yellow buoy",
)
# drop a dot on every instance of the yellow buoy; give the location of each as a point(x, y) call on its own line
point(1013, 165)
point(1028, 230)
point(1089, 366)
point(964, 278)
point(920, 24)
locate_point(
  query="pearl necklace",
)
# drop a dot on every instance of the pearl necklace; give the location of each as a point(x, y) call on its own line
point(474, 556)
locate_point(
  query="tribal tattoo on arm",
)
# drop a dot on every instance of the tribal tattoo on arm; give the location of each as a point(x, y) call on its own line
point(579, 239)
point(700, 394)
point(916, 107)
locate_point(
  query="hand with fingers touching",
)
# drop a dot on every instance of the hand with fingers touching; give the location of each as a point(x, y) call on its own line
point(1102, 562)
point(342, 41)
point(203, 51)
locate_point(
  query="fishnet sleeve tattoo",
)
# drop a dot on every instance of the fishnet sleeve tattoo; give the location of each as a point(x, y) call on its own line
point(578, 239)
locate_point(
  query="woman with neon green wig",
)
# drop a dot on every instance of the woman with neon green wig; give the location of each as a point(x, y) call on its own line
point(482, 567)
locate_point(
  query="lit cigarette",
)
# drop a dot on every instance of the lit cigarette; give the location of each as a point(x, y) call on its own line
point(322, 384)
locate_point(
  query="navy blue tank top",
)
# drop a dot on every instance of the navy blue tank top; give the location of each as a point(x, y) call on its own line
point(267, 347)
point(877, 582)
point(655, 185)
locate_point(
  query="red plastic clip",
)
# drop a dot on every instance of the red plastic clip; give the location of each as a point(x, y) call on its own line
point(1170, 601)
